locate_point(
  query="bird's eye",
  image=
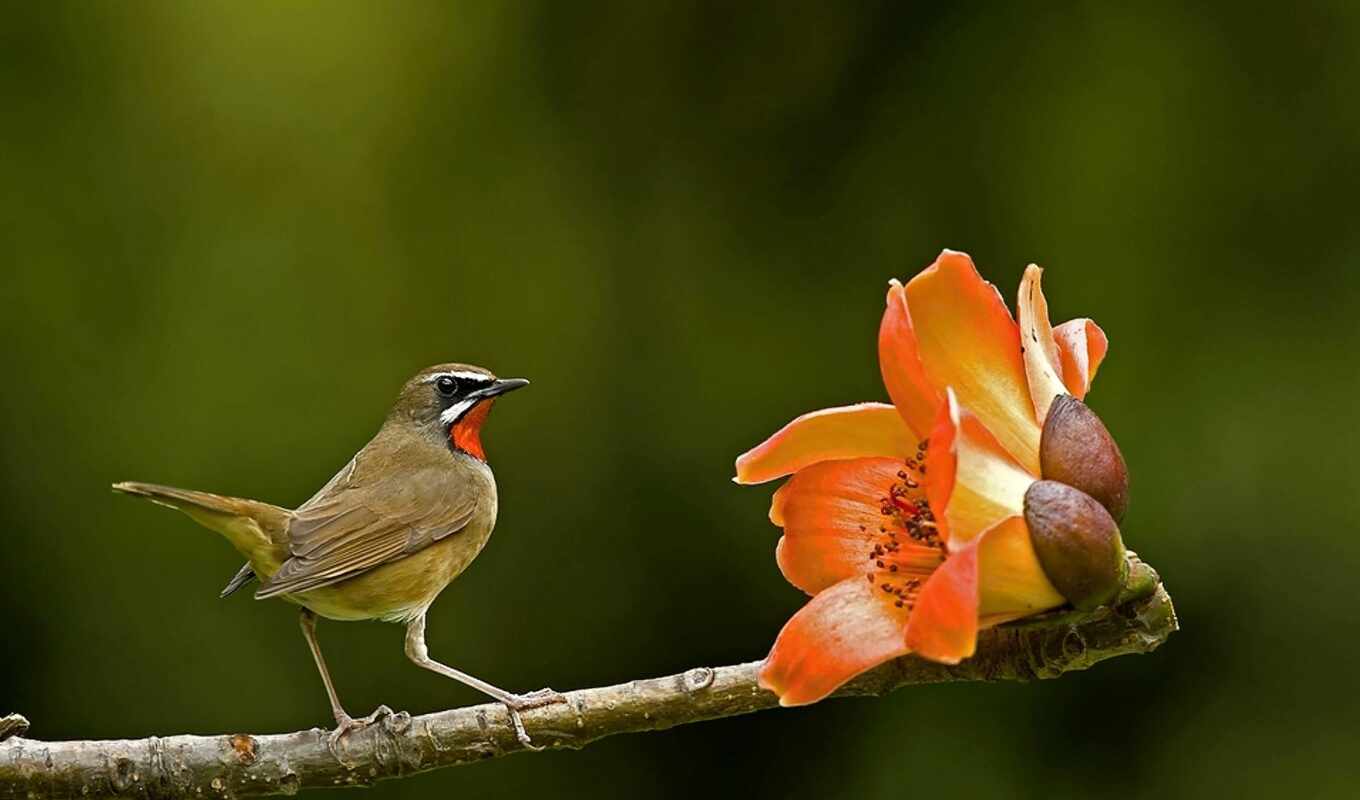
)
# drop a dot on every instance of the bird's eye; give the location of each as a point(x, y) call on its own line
point(447, 386)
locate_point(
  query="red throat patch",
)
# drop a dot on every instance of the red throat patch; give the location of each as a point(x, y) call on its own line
point(466, 433)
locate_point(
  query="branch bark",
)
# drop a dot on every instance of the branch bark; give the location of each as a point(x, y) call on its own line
point(246, 765)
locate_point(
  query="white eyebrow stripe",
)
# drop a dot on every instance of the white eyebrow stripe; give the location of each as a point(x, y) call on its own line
point(470, 376)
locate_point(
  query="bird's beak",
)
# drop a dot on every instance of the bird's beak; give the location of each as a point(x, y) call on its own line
point(502, 386)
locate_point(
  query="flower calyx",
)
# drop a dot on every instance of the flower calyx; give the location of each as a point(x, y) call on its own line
point(1076, 449)
point(1077, 542)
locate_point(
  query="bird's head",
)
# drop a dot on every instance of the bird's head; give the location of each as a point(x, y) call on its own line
point(452, 402)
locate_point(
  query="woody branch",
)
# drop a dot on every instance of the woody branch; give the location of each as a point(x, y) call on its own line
point(248, 765)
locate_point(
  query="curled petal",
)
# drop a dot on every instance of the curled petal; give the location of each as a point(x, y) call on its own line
point(915, 396)
point(942, 461)
point(966, 339)
point(1082, 346)
point(944, 622)
point(866, 429)
point(831, 513)
point(1011, 580)
point(1043, 365)
point(972, 482)
point(845, 630)
point(992, 579)
point(777, 504)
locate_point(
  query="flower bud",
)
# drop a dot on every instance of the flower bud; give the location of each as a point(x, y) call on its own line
point(1077, 450)
point(1077, 542)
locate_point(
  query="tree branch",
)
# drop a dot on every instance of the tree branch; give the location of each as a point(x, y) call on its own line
point(245, 765)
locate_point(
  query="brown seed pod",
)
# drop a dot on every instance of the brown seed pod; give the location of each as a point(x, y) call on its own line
point(1078, 543)
point(1077, 450)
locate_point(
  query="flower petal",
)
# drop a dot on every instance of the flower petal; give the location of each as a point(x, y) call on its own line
point(915, 396)
point(777, 504)
point(942, 462)
point(832, 517)
point(966, 339)
point(944, 623)
point(993, 579)
point(1012, 583)
point(1082, 346)
point(866, 429)
point(847, 629)
point(972, 482)
point(1043, 366)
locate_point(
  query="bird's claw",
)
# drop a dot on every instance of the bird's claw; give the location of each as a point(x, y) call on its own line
point(345, 724)
point(523, 702)
point(536, 699)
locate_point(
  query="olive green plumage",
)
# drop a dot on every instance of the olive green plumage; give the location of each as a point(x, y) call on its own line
point(387, 533)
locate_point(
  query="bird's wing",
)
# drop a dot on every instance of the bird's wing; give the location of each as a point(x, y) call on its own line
point(367, 518)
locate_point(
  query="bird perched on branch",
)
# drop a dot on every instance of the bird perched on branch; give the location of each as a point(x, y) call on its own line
point(384, 537)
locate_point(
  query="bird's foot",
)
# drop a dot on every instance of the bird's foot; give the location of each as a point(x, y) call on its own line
point(535, 699)
point(516, 703)
point(345, 724)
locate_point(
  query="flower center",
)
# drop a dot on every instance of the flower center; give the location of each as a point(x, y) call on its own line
point(907, 544)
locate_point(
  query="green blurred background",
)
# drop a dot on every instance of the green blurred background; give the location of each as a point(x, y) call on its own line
point(229, 231)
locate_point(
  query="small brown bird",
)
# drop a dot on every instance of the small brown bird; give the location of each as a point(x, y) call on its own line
point(384, 537)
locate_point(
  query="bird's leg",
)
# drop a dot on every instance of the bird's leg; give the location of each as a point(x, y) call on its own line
point(344, 723)
point(420, 654)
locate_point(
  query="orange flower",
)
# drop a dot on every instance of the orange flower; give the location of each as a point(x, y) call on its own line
point(907, 522)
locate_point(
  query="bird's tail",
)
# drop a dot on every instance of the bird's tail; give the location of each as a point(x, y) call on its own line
point(258, 531)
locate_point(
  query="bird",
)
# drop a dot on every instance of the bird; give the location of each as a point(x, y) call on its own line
point(381, 540)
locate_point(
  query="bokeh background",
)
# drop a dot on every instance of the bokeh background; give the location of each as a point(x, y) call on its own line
point(228, 231)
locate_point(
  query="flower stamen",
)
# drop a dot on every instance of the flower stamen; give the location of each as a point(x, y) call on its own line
point(902, 590)
point(907, 546)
